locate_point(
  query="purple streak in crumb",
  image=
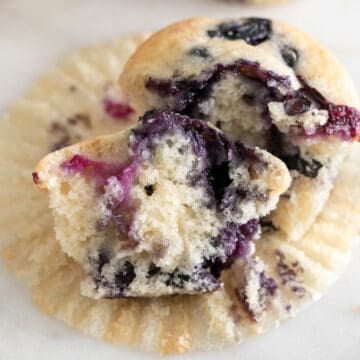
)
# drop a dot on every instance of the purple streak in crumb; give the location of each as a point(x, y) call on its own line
point(80, 164)
point(116, 109)
point(186, 93)
point(127, 176)
point(235, 238)
point(118, 175)
point(343, 121)
point(101, 171)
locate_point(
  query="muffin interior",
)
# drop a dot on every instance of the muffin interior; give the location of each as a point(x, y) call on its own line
point(181, 206)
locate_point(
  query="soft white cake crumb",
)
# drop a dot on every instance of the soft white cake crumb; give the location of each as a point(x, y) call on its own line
point(310, 120)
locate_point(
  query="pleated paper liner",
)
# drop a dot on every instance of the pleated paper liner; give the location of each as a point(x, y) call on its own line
point(77, 99)
point(209, 321)
point(79, 88)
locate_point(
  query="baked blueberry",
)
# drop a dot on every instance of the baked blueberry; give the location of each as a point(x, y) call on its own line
point(252, 30)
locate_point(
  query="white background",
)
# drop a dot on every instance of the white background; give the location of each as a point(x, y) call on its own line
point(36, 33)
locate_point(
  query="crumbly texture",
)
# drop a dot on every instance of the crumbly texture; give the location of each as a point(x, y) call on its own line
point(261, 82)
point(175, 324)
point(160, 209)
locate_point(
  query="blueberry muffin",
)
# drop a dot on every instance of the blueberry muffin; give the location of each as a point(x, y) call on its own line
point(263, 83)
point(259, 291)
point(162, 208)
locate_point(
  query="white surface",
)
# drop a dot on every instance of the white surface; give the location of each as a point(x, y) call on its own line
point(33, 35)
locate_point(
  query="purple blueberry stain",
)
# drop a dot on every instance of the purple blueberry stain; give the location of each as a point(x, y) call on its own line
point(343, 121)
point(235, 238)
point(36, 178)
point(287, 272)
point(116, 109)
point(186, 93)
point(268, 285)
point(300, 291)
point(101, 171)
point(119, 176)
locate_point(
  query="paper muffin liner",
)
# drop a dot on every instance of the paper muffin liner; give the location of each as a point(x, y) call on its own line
point(257, 2)
point(81, 88)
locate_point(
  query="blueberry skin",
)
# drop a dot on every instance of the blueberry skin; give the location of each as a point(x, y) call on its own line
point(253, 30)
